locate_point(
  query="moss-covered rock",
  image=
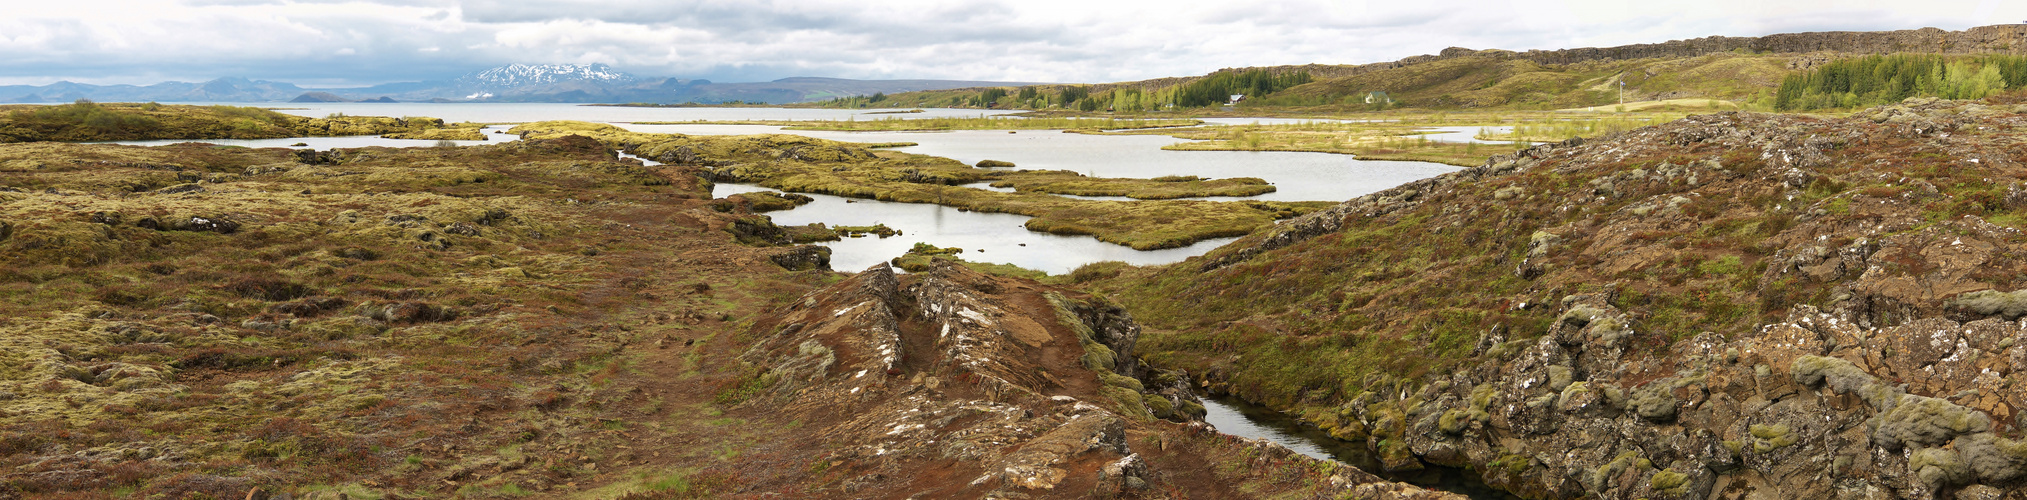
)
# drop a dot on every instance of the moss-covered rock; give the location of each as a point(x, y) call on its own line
point(1159, 405)
point(1121, 381)
point(1655, 401)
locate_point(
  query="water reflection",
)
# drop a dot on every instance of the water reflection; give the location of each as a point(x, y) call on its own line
point(1467, 134)
point(1297, 176)
point(985, 237)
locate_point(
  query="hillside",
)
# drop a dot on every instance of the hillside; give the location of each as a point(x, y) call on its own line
point(1736, 304)
point(1494, 79)
point(1718, 68)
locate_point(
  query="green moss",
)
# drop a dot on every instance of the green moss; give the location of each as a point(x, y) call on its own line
point(1993, 302)
point(923, 256)
point(1669, 482)
point(1453, 421)
point(1939, 467)
point(1097, 356)
point(883, 231)
point(1127, 401)
point(1728, 265)
point(1767, 438)
point(1512, 464)
point(1655, 402)
point(764, 201)
point(1601, 478)
point(1121, 381)
point(1159, 406)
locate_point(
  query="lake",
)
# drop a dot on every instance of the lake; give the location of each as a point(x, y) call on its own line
point(533, 112)
point(1297, 176)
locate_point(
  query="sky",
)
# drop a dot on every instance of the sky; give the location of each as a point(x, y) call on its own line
point(341, 43)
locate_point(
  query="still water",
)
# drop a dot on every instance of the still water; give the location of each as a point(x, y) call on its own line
point(531, 112)
point(1234, 416)
point(985, 237)
point(1297, 176)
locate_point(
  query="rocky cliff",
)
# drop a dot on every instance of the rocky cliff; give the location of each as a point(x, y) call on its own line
point(1729, 306)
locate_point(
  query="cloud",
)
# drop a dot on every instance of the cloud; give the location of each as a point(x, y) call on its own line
point(363, 42)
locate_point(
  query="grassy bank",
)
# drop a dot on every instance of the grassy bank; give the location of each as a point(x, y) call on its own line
point(86, 121)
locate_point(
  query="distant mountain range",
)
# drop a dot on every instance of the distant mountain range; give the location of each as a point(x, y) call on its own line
point(580, 83)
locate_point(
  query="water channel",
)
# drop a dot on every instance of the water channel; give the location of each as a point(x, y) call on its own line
point(988, 237)
point(1237, 417)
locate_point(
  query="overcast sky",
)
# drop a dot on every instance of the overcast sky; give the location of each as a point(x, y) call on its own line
point(364, 42)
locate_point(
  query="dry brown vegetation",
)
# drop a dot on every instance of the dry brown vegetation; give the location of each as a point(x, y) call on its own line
point(537, 318)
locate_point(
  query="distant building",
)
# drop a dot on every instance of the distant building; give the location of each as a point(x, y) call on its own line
point(1236, 98)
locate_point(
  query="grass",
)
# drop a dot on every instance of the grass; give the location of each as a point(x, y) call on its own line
point(87, 121)
point(1366, 141)
point(1397, 135)
point(353, 308)
point(1661, 105)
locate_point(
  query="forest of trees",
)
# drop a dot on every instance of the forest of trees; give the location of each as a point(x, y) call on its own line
point(1875, 80)
point(1220, 86)
point(1214, 89)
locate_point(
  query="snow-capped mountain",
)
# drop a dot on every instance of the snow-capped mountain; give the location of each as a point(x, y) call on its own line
point(521, 75)
point(510, 83)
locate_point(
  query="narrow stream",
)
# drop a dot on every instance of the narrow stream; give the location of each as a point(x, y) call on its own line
point(1234, 416)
